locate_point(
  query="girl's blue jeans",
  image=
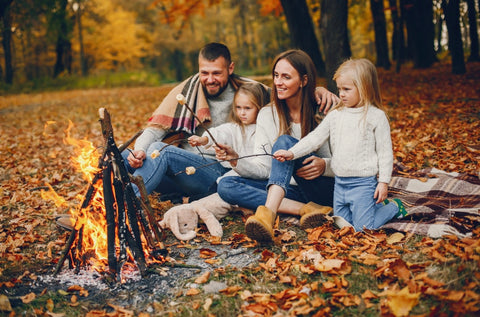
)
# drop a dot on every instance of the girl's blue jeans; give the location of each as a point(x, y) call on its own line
point(353, 200)
point(251, 193)
point(160, 174)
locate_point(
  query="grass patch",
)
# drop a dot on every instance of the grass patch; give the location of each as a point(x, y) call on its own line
point(99, 80)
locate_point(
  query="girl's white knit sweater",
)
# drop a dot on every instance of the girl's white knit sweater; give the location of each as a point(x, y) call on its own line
point(360, 142)
point(231, 134)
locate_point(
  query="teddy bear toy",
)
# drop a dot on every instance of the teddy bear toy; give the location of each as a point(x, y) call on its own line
point(183, 219)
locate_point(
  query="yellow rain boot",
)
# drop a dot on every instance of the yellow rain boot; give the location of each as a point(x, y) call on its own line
point(314, 215)
point(259, 227)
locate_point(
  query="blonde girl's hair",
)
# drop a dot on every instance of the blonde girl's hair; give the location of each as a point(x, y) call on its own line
point(364, 76)
point(305, 67)
point(257, 94)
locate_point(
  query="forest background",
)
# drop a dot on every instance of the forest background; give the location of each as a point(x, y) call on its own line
point(55, 43)
point(427, 56)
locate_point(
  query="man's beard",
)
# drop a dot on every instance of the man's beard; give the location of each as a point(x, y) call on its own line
point(218, 93)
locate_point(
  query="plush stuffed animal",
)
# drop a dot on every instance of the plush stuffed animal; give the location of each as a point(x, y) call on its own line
point(183, 219)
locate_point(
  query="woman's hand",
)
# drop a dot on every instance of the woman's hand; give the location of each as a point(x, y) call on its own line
point(381, 192)
point(325, 99)
point(224, 152)
point(196, 140)
point(283, 155)
point(136, 158)
point(313, 167)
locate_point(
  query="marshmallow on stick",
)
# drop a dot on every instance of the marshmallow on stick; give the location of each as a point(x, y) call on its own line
point(183, 101)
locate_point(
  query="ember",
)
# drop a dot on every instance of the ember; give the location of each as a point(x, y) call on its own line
point(112, 225)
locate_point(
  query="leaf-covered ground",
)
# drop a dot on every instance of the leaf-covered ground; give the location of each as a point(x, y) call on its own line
point(435, 120)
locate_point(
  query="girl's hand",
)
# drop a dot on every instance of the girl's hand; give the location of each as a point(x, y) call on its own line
point(196, 140)
point(381, 192)
point(136, 158)
point(313, 167)
point(224, 152)
point(283, 155)
point(325, 99)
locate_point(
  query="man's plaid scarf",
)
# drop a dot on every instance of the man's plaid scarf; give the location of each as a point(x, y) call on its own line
point(173, 117)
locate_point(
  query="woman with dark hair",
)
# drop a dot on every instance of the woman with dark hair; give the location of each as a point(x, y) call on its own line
point(301, 187)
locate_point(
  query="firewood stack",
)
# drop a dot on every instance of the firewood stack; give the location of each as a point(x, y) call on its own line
point(127, 216)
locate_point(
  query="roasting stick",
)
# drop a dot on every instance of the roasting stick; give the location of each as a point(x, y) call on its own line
point(183, 101)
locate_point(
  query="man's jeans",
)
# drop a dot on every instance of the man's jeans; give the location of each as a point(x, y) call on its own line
point(251, 193)
point(353, 200)
point(160, 173)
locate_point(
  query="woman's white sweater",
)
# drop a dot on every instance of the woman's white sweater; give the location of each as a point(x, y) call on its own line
point(360, 142)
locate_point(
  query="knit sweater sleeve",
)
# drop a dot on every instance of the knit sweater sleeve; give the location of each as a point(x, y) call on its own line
point(224, 134)
point(314, 140)
point(383, 145)
point(148, 136)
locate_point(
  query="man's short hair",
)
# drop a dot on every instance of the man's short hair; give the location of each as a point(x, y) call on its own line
point(214, 50)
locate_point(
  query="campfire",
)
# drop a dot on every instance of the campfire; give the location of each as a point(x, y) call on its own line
point(112, 225)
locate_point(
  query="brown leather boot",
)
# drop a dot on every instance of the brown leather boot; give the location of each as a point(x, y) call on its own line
point(259, 227)
point(314, 215)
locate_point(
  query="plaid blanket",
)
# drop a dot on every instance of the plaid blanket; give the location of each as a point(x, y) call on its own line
point(438, 203)
point(173, 117)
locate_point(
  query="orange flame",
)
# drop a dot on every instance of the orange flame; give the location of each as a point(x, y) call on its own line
point(92, 218)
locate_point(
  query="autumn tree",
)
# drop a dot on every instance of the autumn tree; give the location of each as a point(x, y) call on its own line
point(473, 31)
point(302, 33)
point(61, 25)
point(380, 26)
point(451, 8)
point(114, 40)
point(420, 31)
point(333, 26)
point(6, 17)
point(78, 7)
point(398, 36)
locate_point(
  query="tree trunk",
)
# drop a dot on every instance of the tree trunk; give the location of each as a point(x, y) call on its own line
point(177, 59)
point(451, 10)
point(398, 42)
point(242, 8)
point(7, 40)
point(420, 28)
point(473, 31)
point(333, 25)
point(380, 26)
point(439, 29)
point(302, 32)
point(83, 60)
point(63, 46)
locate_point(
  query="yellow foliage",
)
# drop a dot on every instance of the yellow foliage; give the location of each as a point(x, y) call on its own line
point(401, 302)
point(361, 32)
point(112, 38)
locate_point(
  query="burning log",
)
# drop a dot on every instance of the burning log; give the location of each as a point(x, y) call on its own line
point(125, 214)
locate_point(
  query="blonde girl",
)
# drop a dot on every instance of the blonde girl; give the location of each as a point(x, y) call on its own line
point(239, 132)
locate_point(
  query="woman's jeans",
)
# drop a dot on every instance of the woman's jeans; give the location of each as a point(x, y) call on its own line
point(166, 172)
point(353, 200)
point(251, 193)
